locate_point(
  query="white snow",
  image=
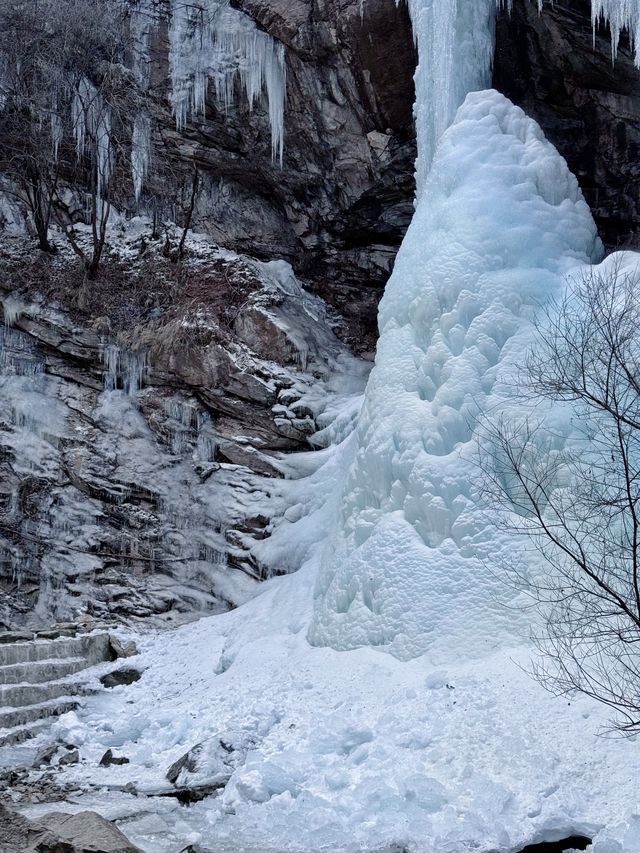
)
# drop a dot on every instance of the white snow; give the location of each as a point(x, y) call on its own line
point(348, 750)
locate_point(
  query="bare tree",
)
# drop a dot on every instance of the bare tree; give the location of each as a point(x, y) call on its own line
point(576, 499)
point(69, 110)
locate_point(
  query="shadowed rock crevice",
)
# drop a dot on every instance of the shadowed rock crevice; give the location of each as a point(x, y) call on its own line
point(572, 842)
point(587, 106)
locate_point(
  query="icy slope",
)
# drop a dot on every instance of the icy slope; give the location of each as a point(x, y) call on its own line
point(502, 219)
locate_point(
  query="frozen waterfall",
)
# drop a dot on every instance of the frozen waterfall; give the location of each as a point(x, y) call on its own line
point(455, 51)
point(455, 40)
point(499, 221)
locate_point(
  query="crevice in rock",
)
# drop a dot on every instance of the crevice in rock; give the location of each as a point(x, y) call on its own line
point(572, 842)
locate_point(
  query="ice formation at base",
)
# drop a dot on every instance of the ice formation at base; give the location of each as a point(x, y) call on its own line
point(502, 220)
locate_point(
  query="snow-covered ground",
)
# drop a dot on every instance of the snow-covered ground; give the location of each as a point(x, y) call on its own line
point(350, 750)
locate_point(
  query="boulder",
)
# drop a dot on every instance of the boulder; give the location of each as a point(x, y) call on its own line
point(122, 648)
point(109, 758)
point(86, 832)
point(208, 766)
point(57, 832)
point(120, 677)
point(71, 756)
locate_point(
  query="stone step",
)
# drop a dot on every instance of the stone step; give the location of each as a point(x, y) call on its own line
point(19, 734)
point(10, 717)
point(93, 647)
point(38, 672)
point(22, 695)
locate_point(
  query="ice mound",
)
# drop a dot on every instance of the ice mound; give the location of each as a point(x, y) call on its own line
point(501, 221)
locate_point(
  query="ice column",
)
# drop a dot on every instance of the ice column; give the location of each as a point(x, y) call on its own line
point(455, 41)
point(499, 221)
point(140, 152)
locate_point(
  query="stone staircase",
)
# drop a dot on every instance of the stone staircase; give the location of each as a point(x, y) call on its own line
point(43, 678)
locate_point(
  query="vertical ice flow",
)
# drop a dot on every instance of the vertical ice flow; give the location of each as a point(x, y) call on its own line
point(499, 221)
point(455, 41)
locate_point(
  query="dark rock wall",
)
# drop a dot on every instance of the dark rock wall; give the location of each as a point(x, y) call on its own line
point(588, 106)
point(338, 207)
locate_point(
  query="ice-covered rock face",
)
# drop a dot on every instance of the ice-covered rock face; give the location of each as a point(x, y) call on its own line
point(501, 219)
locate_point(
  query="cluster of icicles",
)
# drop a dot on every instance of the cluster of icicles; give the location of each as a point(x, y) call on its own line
point(210, 44)
point(619, 14)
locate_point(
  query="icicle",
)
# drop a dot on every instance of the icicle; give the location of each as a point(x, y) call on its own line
point(143, 20)
point(19, 354)
point(620, 15)
point(217, 44)
point(140, 152)
point(123, 369)
point(57, 128)
point(104, 165)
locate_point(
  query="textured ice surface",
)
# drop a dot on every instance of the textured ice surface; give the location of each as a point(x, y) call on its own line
point(502, 219)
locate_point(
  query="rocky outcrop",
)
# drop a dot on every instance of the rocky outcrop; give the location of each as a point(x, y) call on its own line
point(84, 832)
point(339, 204)
point(588, 106)
point(140, 433)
